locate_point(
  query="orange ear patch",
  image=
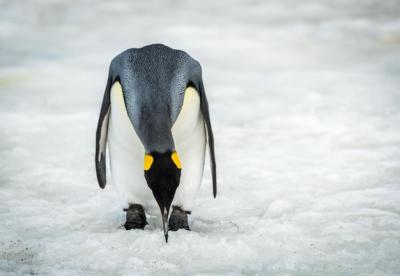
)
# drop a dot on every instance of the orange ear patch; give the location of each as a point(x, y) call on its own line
point(148, 161)
point(175, 159)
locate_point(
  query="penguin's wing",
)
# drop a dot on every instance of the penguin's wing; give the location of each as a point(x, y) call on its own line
point(101, 136)
point(210, 138)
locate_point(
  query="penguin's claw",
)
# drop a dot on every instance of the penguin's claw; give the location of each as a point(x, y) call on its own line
point(135, 217)
point(178, 219)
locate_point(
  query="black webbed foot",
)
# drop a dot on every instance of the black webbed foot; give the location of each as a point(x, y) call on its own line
point(135, 217)
point(178, 219)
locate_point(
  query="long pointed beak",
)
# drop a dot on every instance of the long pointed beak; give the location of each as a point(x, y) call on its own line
point(165, 224)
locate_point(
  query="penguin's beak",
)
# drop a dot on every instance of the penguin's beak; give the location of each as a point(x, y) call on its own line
point(164, 208)
point(165, 223)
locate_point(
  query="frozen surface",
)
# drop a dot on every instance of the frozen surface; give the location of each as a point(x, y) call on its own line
point(305, 102)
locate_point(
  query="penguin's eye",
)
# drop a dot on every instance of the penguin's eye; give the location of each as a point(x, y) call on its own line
point(148, 161)
point(175, 159)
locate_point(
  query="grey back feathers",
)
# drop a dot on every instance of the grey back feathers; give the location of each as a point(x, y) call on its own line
point(153, 80)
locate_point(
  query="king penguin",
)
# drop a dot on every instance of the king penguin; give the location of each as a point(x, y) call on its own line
point(155, 119)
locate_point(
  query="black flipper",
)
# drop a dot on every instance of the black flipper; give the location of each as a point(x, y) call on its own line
point(101, 136)
point(206, 117)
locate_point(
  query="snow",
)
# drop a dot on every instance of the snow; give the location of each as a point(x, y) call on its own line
point(304, 100)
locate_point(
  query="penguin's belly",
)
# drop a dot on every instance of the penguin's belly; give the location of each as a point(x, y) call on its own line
point(126, 154)
point(190, 143)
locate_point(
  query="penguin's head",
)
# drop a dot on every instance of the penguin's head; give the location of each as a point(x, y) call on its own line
point(163, 172)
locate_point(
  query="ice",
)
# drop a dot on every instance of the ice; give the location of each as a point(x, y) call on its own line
point(304, 99)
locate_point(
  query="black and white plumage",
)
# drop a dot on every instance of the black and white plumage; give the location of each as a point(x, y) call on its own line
point(155, 104)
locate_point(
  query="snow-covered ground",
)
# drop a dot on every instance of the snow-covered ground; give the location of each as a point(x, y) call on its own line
point(305, 102)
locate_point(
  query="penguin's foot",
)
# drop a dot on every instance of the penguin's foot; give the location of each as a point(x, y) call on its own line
point(135, 217)
point(178, 219)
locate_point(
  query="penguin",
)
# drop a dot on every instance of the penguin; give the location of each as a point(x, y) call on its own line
point(155, 119)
